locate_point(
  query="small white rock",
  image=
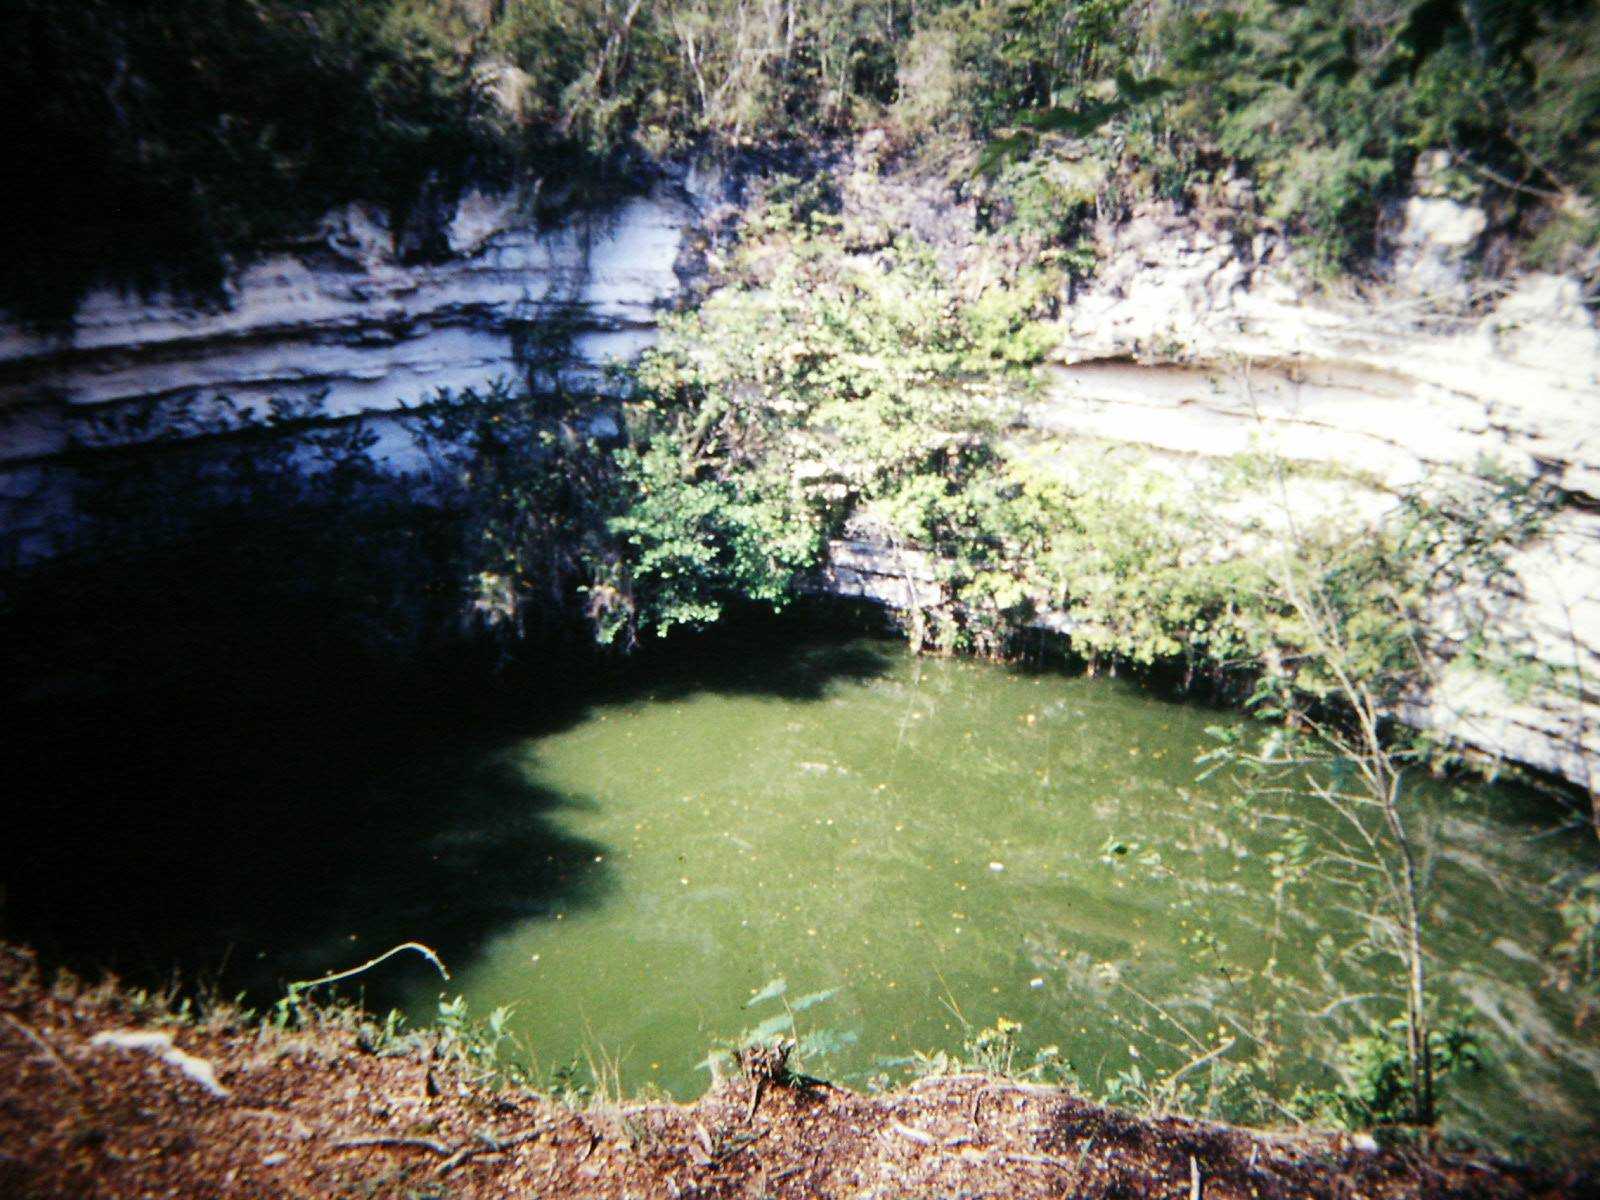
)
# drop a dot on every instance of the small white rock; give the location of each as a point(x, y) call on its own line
point(160, 1044)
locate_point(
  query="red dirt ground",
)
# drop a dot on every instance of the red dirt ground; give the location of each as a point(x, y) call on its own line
point(310, 1112)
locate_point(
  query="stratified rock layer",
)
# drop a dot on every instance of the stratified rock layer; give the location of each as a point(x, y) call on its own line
point(1189, 344)
point(339, 322)
point(1191, 341)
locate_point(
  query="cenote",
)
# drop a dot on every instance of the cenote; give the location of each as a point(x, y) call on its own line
point(918, 847)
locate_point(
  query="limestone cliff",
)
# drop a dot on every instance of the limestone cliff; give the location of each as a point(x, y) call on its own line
point(1192, 345)
point(1191, 341)
point(1198, 344)
point(338, 320)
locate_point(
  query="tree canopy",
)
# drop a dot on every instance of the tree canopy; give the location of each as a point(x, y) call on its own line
point(150, 142)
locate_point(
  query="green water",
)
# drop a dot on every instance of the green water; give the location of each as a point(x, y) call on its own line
point(949, 842)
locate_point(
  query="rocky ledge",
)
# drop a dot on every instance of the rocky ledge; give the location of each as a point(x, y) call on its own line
point(337, 326)
point(1189, 344)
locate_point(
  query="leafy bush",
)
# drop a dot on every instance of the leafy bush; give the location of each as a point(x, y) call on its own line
point(1329, 105)
point(1331, 102)
point(527, 490)
point(837, 390)
point(1374, 1088)
point(822, 395)
point(779, 1037)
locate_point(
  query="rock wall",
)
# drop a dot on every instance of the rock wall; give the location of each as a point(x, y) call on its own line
point(1198, 347)
point(1190, 345)
point(338, 321)
point(1191, 342)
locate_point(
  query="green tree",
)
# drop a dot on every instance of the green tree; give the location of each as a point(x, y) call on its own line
point(1349, 648)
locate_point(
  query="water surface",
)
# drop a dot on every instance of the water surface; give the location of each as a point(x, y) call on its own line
point(932, 845)
point(626, 856)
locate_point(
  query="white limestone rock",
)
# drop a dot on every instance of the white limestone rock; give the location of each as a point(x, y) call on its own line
point(479, 217)
point(160, 1044)
point(1435, 243)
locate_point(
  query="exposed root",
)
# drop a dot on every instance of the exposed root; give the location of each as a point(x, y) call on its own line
point(763, 1065)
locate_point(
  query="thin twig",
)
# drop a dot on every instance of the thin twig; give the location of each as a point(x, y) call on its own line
point(1200, 1061)
point(1163, 1013)
point(463, 1154)
point(744, 1145)
point(38, 1039)
point(413, 1143)
point(307, 984)
point(1042, 1159)
point(916, 1135)
point(1327, 1010)
point(492, 1145)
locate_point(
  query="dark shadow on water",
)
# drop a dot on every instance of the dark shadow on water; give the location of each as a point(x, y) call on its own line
point(259, 847)
point(797, 656)
point(276, 825)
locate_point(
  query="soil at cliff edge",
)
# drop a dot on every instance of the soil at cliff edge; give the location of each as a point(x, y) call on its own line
point(227, 1107)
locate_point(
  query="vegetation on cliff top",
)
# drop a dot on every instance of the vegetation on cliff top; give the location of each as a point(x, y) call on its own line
point(149, 143)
